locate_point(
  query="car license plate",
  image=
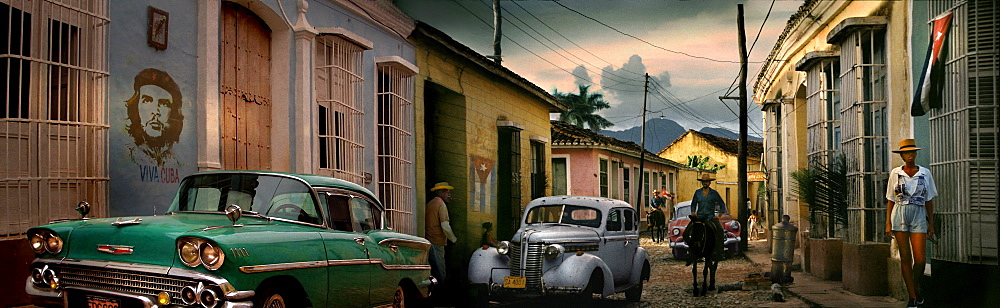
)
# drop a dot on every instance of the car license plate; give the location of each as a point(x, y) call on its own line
point(512, 282)
point(101, 302)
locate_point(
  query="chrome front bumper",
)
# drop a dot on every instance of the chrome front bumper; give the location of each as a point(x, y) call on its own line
point(47, 296)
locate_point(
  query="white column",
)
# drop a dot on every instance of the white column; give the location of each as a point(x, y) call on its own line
point(207, 105)
point(304, 130)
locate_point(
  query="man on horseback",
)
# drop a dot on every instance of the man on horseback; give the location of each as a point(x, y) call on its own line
point(657, 220)
point(706, 205)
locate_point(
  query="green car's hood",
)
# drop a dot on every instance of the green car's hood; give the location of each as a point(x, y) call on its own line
point(151, 241)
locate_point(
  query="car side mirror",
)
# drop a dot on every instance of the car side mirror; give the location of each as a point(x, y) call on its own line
point(83, 208)
point(234, 212)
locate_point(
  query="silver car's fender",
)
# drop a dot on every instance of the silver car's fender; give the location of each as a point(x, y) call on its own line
point(482, 263)
point(640, 258)
point(574, 272)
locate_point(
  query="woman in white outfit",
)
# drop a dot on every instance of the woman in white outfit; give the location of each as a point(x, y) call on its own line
point(910, 193)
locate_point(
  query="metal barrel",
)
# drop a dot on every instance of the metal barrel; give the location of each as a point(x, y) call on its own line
point(782, 248)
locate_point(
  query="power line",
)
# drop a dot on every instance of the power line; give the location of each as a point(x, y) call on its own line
point(567, 39)
point(623, 80)
point(529, 50)
point(642, 40)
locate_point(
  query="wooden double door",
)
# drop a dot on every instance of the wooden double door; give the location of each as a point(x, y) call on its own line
point(245, 84)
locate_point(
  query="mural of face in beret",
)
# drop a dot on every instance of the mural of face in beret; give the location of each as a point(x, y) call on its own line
point(154, 118)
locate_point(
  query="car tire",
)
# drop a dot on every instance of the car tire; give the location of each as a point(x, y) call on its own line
point(402, 298)
point(634, 294)
point(679, 254)
point(482, 297)
point(271, 298)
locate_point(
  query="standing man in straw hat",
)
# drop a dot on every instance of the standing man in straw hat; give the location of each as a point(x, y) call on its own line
point(910, 216)
point(438, 228)
point(704, 206)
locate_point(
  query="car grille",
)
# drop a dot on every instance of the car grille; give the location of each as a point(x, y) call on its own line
point(529, 264)
point(123, 281)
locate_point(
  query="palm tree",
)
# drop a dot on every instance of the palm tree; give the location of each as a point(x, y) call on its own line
point(582, 108)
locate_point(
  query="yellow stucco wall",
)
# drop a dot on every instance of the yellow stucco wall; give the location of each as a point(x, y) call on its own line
point(485, 98)
point(726, 178)
point(783, 83)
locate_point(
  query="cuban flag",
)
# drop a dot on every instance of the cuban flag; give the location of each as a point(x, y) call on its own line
point(928, 94)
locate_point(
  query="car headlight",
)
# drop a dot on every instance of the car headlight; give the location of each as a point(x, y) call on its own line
point(734, 225)
point(44, 240)
point(503, 248)
point(188, 251)
point(211, 256)
point(553, 251)
point(37, 242)
point(53, 244)
point(196, 251)
point(676, 231)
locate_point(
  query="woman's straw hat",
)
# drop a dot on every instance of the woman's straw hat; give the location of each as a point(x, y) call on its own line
point(907, 145)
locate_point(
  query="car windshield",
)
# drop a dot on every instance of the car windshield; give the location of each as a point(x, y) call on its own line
point(564, 214)
point(683, 211)
point(269, 195)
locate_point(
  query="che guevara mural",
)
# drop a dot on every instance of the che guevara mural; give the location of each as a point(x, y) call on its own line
point(155, 119)
point(150, 150)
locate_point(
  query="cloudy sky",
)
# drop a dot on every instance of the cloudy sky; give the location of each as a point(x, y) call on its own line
point(688, 47)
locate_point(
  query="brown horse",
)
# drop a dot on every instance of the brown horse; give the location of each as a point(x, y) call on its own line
point(700, 238)
point(657, 225)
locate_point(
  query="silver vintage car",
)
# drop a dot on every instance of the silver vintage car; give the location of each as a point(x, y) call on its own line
point(566, 245)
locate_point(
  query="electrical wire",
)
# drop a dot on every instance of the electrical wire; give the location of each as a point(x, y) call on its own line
point(642, 40)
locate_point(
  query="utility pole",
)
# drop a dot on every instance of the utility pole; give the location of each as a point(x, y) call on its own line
point(742, 157)
point(642, 147)
point(496, 31)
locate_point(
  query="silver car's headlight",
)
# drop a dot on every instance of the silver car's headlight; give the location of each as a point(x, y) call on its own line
point(503, 248)
point(553, 251)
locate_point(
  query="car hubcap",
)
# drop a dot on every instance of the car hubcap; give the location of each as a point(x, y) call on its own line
point(399, 299)
point(275, 301)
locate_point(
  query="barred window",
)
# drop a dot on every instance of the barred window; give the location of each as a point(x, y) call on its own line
point(395, 146)
point(604, 177)
point(613, 182)
point(626, 187)
point(338, 97)
point(52, 120)
point(538, 180)
point(864, 119)
point(823, 112)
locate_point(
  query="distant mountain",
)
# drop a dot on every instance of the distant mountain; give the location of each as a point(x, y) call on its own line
point(725, 133)
point(661, 132)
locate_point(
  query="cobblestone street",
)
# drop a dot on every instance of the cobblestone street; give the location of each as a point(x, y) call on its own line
point(670, 285)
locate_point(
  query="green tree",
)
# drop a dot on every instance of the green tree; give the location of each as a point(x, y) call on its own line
point(583, 107)
point(701, 162)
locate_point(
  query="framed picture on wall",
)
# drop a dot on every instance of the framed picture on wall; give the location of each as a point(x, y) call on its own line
point(158, 26)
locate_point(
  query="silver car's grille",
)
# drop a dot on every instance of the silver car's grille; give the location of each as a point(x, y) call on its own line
point(123, 281)
point(527, 262)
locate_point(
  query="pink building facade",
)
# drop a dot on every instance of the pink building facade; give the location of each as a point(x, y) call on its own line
point(589, 164)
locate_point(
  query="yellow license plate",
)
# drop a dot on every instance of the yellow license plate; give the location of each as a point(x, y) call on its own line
point(512, 282)
point(101, 302)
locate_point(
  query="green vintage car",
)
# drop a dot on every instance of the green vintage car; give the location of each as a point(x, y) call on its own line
point(235, 239)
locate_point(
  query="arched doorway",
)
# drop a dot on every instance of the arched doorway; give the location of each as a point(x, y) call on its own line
point(245, 85)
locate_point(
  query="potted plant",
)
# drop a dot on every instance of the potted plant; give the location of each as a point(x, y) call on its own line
point(823, 187)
